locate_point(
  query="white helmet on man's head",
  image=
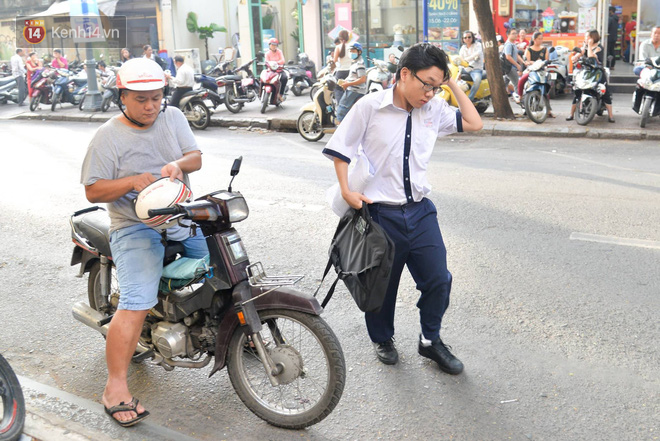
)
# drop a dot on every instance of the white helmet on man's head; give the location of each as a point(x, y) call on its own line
point(162, 193)
point(140, 74)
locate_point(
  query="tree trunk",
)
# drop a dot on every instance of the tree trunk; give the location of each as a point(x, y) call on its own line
point(492, 59)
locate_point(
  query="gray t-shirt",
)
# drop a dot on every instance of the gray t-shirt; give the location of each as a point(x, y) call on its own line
point(356, 71)
point(117, 151)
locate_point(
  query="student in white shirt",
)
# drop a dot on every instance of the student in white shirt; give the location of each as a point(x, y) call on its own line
point(397, 129)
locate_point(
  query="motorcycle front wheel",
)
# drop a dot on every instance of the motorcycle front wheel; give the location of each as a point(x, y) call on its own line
point(536, 106)
point(56, 101)
point(230, 104)
point(199, 108)
point(309, 126)
point(13, 403)
point(313, 369)
point(586, 110)
point(265, 99)
point(34, 102)
point(646, 112)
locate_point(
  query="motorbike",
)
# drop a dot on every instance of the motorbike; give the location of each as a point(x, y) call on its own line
point(240, 89)
point(270, 85)
point(328, 69)
point(8, 90)
point(379, 76)
point(534, 99)
point(646, 97)
point(589, 88)
point(301, 73)
point(68, 88)
point(13, 414)
point(283, 360)
point(42, 87)
point(558, 70)
point(318, 117)
point(458, 72)
point(110, 90)
point(215, 93)
point(193, 108)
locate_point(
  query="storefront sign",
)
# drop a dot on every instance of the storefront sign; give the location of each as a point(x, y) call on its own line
point(443, 24)
point(586, 19)
point(343, 16)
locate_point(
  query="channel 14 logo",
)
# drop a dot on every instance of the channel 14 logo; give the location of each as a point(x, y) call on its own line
point(69, 31)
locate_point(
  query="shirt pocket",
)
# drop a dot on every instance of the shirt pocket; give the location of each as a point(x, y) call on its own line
point(424, 138)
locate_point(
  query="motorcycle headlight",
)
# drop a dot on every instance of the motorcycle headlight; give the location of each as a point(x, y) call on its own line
point(232, 206)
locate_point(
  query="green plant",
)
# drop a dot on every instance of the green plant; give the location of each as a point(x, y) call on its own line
point(205, 32)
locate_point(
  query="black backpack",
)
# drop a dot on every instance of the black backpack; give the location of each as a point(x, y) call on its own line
point(362, 255)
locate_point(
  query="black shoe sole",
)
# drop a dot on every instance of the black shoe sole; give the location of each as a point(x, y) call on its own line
point(421, 350)
point(388, 361)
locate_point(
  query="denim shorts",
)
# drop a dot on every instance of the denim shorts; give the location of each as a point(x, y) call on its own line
point(138, 255)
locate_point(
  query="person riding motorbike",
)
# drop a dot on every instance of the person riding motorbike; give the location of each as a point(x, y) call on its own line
point(183, 82)
point(535, 51)
point(472, 52)
point(126, 155)
point(275, 54)
point(355, 83)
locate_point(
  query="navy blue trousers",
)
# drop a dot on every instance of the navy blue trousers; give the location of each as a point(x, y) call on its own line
point(418, 244)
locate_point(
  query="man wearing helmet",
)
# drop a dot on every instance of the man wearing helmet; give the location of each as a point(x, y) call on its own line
point(275, 54)
point(355, 84)
point(128, 153)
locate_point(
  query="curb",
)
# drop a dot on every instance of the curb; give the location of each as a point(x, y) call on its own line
point(491, 128)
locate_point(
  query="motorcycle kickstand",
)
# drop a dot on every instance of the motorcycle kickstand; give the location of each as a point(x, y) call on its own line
point(271, 368)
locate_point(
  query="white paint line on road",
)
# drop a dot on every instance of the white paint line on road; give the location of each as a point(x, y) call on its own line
point(640, 243)
point(603, 164)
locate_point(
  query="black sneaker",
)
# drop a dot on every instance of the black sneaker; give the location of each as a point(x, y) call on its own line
point(439, 352)
point(386, 352)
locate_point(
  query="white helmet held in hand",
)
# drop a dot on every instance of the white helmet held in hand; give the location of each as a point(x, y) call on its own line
point(140, 74)
point(162, 193)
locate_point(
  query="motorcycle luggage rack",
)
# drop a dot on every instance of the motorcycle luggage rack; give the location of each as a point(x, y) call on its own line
point(257, 277)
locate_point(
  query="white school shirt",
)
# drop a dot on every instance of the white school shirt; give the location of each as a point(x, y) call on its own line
point(376, 125)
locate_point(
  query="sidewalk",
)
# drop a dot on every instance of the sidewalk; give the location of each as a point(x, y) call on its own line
point(284, 119)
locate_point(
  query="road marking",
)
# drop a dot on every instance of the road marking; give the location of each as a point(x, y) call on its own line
point(289, 205)
point(603, 164)
point(640, 243)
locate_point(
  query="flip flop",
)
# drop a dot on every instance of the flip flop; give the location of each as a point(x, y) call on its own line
point(130, 407)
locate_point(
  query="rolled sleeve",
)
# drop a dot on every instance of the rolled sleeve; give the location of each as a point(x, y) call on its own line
point(449, 120)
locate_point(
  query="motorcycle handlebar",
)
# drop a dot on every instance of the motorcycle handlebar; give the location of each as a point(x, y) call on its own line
point(163, 211)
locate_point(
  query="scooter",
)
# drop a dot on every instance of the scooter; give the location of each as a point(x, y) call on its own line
point(270, 85)
point(534, 99)
point(328, 69)
point(589, 88)
point(110, 90)
point(558, 70)
point(42, 87)
point(301, 73)
point(193, 108)
point(8, 90)
point(13, 414)
point(284, 361)
point(379, 76)
point(458, 71)
point(240, 89)
point(646, 98)
point(69, 88)
point(318, 117)
point(215, 93)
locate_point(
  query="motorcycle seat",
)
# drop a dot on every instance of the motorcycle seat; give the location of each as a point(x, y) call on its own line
point(466, 76)
point(80, 81)
point(7, 80)
point(231, 78)
point(190, 92)
point(94, 226)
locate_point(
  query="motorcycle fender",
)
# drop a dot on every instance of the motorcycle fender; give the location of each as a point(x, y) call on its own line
point(279, 298)
point(309, 106)
point(268, 88)
point(84, 258)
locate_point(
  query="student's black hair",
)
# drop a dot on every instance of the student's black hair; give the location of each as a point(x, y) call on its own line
point(422, 56)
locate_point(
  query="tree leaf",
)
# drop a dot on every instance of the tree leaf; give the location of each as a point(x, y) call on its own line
point(191, 22)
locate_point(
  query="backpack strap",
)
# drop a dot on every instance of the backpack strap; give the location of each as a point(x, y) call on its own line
point(331, 291)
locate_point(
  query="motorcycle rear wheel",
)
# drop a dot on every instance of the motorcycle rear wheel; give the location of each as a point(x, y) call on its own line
point(105, 104)
point(94, 293)
point(536, 106)
point(297, 90)
point(586, 110)
point(34, 102)
point(646, 112)
point(309, 126)
point(264, 101)
point(81, 104)
point(230, 104)
point(198, 106)
point(13, 403)
point(314, 371)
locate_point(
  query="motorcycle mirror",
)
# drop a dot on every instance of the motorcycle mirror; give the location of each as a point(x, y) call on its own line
point(552, 49)
point(400, 48)
point(260, 55)
point(236, 167)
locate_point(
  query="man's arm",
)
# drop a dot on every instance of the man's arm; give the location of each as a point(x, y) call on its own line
point(188, 163)
point(353, 198)
point(362, 79)
point(471, 119)
point(109, 190)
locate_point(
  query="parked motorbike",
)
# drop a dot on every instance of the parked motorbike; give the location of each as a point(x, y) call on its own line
point(240, 89)
point(12, 418)
point(646, 97)
point(318, 117)
point(300, 73)
point(379, 76)
point(270, 85)
point(589, 88)
point(215, 93)
point(534, 99)
point(42, 87)
point(458, 71)
point(8, 90)
point(558, 70)
point(68, 88)
point(283, 359)
point(328, 69)
point(193, 108)
point(110, 90)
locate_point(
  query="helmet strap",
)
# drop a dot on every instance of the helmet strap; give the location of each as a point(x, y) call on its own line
point(137, 123)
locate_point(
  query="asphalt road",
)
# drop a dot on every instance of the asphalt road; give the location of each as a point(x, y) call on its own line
point(554, 246)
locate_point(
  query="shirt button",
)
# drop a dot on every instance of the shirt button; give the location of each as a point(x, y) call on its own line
point(407, 136)
point(406, 179)
point(406, 158)
point(409, 197)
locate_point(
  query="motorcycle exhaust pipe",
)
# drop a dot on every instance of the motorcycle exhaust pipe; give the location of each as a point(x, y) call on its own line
point(91, 317)
point(241, 100)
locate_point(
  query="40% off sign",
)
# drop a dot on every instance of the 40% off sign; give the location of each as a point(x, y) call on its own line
point(34, 31)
